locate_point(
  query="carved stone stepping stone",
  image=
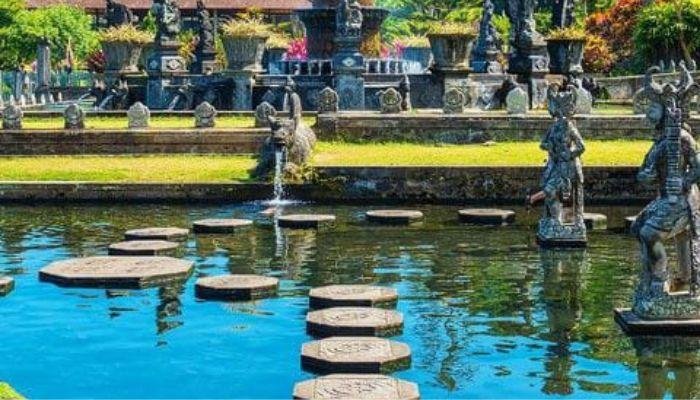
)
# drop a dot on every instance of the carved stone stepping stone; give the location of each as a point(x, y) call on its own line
point(486, 216)
point(117, 271)
point(356, 387)
point(169, 233)
point(236, 287)
point(354, 321)
point(6, 285)
point(221, 225)
point(595, 222)
point(394, 217)
point(142, 248)
point(305, 221)
point(352, 296)
point(354, 355)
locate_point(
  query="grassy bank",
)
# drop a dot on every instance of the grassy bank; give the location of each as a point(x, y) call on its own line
point(157, 122)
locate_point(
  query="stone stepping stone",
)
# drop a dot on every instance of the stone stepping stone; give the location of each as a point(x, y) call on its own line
point(394, 217)
point(236, 287)
point(354, 321)
point(356, 387)
point(352, 296)
point(117, 272)
point(220, 225)
point(157, 234)
point(354, 355)
point(629, 221)
point(142, 248)
point(595, 222)
point(7, 284)
point(305, 221)
point(486, 216)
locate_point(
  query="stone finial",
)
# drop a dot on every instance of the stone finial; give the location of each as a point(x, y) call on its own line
point(453, 101)
point(328, 101)
point(517, 101)
point(139, 116)
point(390, 101)
point(262, 114)
point(12, 117)
point(74, 117)
point(204, 115)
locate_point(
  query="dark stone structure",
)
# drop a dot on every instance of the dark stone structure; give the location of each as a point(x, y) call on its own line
point(205, 51)
point(488, 45)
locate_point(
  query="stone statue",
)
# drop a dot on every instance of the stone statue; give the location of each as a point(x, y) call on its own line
point(488, 44)
point(73, 117)
point(205, 50)
point(453, 101)
point(293, 102)
point(562, 180)
point(263, 112)
point(328, 101)
point(528, 47)
point(673, 164)
point(204, 116)
point(562, 13)
point(517, 101)
point(12, 117)
point(139, 116)
point(117, 14)
point(390, 101)
point(167, 16)
point(348, 18)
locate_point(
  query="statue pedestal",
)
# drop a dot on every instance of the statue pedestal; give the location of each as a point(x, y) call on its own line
point(348, 68)
point(551, 234)
point(633, 325)
point(164, 67)
point(242, 96)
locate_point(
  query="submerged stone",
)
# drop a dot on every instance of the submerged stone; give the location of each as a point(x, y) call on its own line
point(6, 285)
point(117, 271)
point(354, 321)
point(306, 221)
point(394, 217)
point(142, 248)
point(168, 233)
point(351, 296)
point(486, 216)
point(220, 225)
point(356, 387)
point(236, 287)
point(355, 355)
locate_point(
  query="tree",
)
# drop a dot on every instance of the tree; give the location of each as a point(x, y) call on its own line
point(669, 31)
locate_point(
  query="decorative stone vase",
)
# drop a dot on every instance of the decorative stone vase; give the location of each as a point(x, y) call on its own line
point(122, 57)
point(451, 52)
point(565, 56)
point(245, 53)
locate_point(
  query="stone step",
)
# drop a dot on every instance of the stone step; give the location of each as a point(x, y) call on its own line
point(354, 321)
point(221, 225)
point(157, 233)
point(486, 216)
point(7, 284)
point(306, 221)
point(353, 355)
point(394, 217)
point(352, 296)
point(142, 248)
point(236, 287)
point(356, 387)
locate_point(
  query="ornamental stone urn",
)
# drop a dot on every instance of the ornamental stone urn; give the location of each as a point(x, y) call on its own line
point(566, 56)
point(245, 53)
point(451, 52)
point(122, 57)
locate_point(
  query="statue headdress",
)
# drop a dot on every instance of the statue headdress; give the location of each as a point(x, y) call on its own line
point(561, 102)
point(678, 93)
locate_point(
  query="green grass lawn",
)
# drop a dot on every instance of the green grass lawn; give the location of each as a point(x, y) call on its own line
point(607, 153)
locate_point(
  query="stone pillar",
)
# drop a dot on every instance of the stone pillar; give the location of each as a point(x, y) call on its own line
point(242, 96)
point(43, 69)
point(348, 62)
point(17, 91)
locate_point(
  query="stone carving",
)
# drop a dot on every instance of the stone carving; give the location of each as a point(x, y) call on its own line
point(205, 50)
point(204, 115)
point(263, 112)
point(117, 14)
point(12, 117)
point(74, 117)
point(673, 164)
point(584, 101)
point(328, 101)
point(517, 101)
point(529, 49)
point(562, 13)
point(139, 116)
point(405, 87)
point(348, 17)
point(390, 101)
point(167, 16)
point(640, 102)
point(488, 44)
point(562, 180)
point(453, 101)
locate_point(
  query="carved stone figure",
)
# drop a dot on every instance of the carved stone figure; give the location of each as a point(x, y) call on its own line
point(204, 116)
point(205, 50)
point(517, 101)
point(12, 117)
point(488, 44)
point(328, 101)
point(390, 101)
point(349, 18)
point(139, 116)
point(453, 101)
point(528, 47)
point(73, 117)
point(117, 14)
point(263, 112)
point(167, 16)
point(562, 13)
point(562, 180)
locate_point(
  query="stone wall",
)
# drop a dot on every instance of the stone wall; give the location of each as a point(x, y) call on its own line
point(624, 87)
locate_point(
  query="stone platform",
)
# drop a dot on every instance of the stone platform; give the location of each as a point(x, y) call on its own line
point(356, 387)
point(486, 216)
point(220, 225)
point(142, 248)
point(167, 233)
point(236, 287)
point(352, 296)
point(394, 217)
point(355, 355)
point(354, 321)
point(633, 325)
point(306, 221)
point(7, 284)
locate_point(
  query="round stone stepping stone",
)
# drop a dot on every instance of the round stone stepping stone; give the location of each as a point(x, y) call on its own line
point(595, 221)
point(394, 217)
point(236, 287)
point(356, 387)
point(352, 296)
point(6, 285)
point(355, 355)
point(117, 271)
point(354, 321)
point(142, 248)
point(157, 234)
point(305, 221)
point(486, 216)
point(220, 225)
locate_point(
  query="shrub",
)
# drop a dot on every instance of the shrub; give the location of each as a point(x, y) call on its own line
point(616, 26)
point(278, 41)
point(597, 55)
point(451, 28)
point(126, 33)
point(413, 41)
point(668, 31)
point(569, 33)
point(246, 25)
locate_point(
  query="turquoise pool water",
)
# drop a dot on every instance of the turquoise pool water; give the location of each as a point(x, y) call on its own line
point(487, 314)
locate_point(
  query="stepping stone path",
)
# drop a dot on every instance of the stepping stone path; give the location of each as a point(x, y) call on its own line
point(595, 221)
point(305, 221)
point(354, 321)
point(142, 248)
point(221, 225)
point(236, 287)
point(355, 355)
point(356, 387)
point(117, 272)
point(6, 285)
point(394, 217)
point(486, 216)
point(157, 234)
point(352, 296)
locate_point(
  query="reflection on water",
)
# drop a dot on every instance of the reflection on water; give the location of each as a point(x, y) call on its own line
point(487, 314)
